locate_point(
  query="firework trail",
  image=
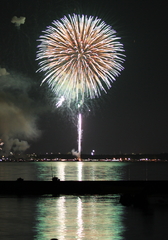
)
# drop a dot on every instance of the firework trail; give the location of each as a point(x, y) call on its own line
point(81, 57)
point(79, 132)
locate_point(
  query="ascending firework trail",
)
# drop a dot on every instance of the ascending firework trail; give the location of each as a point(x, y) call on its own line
point(81, 57)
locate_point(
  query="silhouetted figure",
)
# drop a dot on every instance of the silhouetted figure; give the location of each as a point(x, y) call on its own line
point(20, 179)
point(55, 179)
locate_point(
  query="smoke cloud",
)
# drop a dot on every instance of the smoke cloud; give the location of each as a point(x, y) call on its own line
point(17, 113)
point(75, 153)
point(18, 21)
point(3, 72)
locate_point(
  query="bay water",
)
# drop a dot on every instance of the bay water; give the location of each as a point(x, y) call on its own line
point(83, 217)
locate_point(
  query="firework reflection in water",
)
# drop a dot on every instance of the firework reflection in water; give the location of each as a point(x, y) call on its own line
point(81, 57)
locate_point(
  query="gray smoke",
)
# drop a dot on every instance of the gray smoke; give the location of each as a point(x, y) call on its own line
point(75, 153)
point(3, 72)
point(17, 113)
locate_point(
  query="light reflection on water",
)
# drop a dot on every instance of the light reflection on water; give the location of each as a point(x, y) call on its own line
point(82, 218)
point(63, 170)
point(64, 217)
point(82, 171)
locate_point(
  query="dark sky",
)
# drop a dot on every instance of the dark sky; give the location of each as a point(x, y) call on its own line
point(131, 118)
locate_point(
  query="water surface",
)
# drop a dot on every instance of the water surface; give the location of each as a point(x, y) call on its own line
point(80, 217)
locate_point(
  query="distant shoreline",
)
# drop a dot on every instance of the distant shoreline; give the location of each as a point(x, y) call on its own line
point(85, 157)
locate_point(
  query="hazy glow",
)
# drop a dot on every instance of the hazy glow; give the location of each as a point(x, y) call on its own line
point(81, 56)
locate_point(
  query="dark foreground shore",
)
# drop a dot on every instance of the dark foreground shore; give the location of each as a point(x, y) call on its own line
point(56, 187)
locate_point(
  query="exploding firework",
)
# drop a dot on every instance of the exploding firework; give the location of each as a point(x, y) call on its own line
point(81, 57)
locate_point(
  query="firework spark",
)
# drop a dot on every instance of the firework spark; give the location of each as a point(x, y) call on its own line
point(81, 57)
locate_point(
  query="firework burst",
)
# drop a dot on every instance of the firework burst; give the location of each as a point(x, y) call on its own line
point(81, 57)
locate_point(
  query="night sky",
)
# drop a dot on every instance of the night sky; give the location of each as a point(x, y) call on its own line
point(131, 118)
